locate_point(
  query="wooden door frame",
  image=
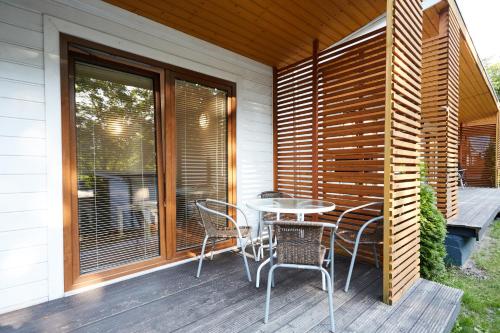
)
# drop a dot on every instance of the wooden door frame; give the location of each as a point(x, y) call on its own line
point(164, 76)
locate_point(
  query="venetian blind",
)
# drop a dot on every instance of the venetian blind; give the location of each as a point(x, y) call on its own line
point(201, 131)
point(116, 168)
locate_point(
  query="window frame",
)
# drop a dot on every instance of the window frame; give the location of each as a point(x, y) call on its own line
point(164, 76)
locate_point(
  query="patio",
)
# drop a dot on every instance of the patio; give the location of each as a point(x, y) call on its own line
point(223, 301)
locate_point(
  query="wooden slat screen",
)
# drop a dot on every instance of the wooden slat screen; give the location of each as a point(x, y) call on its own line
point(477, 154)
point(294, 122)
point(355, 140)
point(402, 179)
point(330, 144)
point(440, 98)
point(351, 102)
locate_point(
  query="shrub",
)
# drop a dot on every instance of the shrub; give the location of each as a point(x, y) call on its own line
point(432, 234)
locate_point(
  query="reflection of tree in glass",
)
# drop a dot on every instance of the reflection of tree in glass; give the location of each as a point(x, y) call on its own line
point(115, 127)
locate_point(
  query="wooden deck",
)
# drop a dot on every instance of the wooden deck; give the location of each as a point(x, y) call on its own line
point(477, 208)
point(223, 301)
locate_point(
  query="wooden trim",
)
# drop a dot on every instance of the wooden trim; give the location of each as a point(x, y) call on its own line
point(315, 79)
point(497, 151)
point(388, 153)
point(72, 48)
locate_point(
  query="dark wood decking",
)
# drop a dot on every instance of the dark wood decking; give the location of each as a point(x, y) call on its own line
point(223, 301)
point(477, 207)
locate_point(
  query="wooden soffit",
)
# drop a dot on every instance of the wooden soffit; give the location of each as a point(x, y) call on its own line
point(477, 97)
point(273, 32)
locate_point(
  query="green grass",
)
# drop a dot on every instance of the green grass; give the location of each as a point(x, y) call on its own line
point(481, 299)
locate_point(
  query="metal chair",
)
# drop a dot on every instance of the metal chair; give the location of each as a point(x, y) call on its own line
point(366, 236)
point(298, 245)
point(268, 216)
point(216, 227)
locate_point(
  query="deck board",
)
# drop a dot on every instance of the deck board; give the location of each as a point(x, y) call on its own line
point(477, 207)
point(223, 301)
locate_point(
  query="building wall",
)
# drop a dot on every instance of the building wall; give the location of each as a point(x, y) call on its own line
point(31, 249)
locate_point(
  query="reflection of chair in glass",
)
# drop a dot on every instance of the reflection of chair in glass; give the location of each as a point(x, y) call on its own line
point(142, 210)
point(215, 220)
point(461, 177)
point(370, 233)
point(268, 216)
point(298, 245)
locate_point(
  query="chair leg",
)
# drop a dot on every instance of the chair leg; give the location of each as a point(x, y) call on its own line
point(268, 294)
point(375, 255)
point(201, 256)
point(330, 297)
point(255, 254)
point(243, 244)
point(351, 267)
point(213, 248)
point(257, 277)
point(323, 285)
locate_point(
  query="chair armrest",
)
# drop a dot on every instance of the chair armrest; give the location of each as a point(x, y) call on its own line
point(232, 206)
point(367, 223)
point(356, 208)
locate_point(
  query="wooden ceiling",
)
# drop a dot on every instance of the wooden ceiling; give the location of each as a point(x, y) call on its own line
point(477, 99)
point(274, 32)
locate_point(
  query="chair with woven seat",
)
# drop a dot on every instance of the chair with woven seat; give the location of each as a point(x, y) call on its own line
point(268, 216)
point(298, 245)
point(219, 225)
point(370, 233)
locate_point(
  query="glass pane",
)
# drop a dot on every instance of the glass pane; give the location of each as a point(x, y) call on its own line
point(116, 168)
point(201, 127)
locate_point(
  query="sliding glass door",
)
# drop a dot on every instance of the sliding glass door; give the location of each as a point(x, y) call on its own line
point(142, 141)
point(116, 167)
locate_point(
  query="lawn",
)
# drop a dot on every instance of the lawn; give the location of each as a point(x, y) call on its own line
point(480, 281)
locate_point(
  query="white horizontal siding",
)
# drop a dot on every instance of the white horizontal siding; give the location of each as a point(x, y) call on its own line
point(23, 181)
point(30, 254)
point(21, 54)
point(22, 165)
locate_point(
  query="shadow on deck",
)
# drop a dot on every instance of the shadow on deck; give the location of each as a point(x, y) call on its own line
point(221, 300)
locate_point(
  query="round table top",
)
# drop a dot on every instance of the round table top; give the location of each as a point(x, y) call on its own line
point(291, 205)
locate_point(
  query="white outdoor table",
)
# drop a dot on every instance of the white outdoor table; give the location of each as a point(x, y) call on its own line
point(297, 206)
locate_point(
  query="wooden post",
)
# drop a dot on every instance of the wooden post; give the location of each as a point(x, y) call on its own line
point(440, 104)
point(401, 157)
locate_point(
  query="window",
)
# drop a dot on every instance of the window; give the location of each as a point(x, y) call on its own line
point(142, 140)
point(201, 126)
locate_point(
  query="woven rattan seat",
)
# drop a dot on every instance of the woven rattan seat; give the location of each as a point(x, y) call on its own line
point(230, 232)
point(283, 217)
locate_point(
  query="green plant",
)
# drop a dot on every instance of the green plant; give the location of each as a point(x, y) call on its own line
point(432, 234)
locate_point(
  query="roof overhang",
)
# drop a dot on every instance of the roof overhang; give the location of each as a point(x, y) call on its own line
point(478, 100)
point(276, 33)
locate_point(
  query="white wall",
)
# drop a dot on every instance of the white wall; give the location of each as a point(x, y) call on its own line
point(31, 253)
